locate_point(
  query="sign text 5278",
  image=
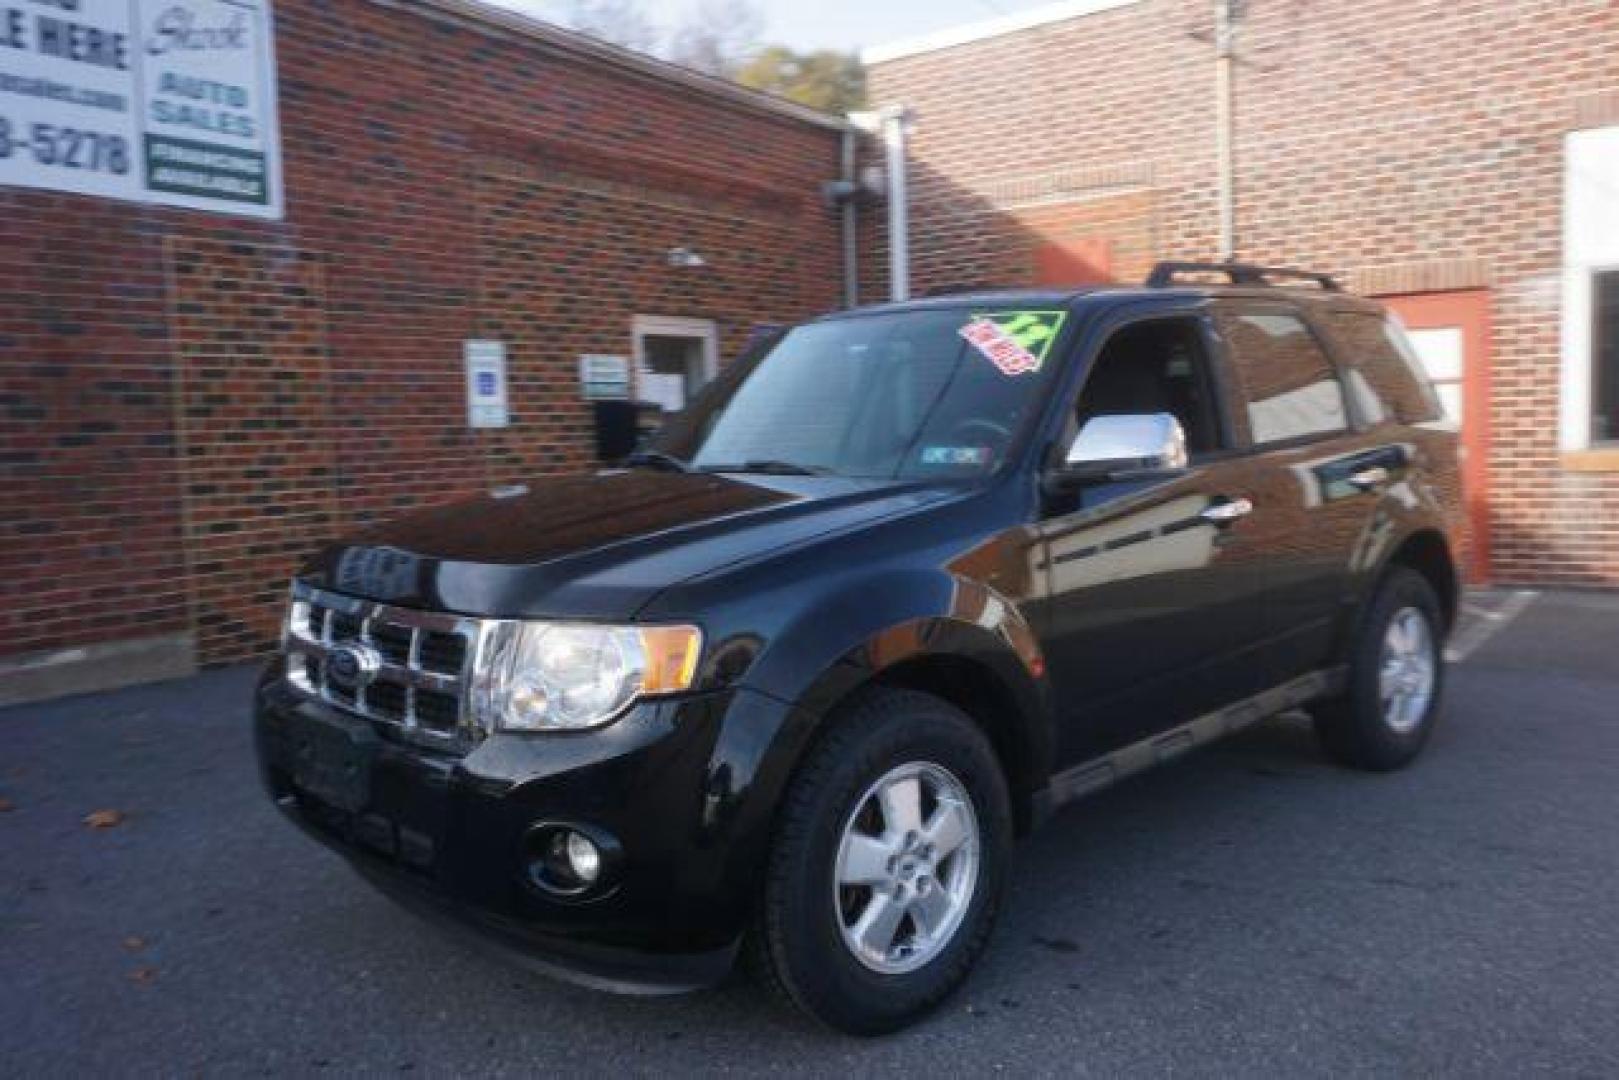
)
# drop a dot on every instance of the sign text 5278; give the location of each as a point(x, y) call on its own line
point(65, 147)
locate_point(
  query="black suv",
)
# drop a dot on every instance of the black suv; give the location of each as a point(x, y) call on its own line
point(898, 584)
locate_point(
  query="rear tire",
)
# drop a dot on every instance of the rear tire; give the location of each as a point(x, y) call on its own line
point(888, 865)
point(1396, 679)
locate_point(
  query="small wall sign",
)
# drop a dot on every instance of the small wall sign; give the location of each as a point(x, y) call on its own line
point(604, 378)
point(665, 390)
point(486, 384)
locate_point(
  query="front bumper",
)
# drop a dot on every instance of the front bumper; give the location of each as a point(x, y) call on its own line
point(450, 837)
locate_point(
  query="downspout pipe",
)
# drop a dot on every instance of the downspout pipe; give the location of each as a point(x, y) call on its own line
point(892, 124)
point(896, 126)
point(851, 253)
point(1225, 165)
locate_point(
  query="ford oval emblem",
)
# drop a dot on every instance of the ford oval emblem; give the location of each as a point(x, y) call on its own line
point(353, 665)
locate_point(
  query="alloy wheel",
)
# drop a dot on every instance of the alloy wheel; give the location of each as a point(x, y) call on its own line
point(907, 868)
point(1407, 674)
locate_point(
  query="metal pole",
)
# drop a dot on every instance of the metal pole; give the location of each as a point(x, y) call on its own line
point(1225, 163)
point(895, 121)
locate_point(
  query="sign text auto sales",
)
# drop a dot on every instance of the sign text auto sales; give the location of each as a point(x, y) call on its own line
point(164, 101)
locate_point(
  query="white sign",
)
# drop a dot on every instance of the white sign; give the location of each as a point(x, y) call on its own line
point(668, 392)
point(486, 384)
point(604, 378)
point(159, 101)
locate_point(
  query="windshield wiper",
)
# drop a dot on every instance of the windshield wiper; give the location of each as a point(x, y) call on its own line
point(656, 459)
point(767, 467)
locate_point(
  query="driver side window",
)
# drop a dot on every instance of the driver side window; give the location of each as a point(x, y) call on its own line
point(1160, 366)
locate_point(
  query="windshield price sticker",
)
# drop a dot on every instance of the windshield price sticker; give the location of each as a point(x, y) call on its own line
point(1016, 342)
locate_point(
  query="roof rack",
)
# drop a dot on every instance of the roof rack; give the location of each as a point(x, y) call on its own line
point(1165, 274)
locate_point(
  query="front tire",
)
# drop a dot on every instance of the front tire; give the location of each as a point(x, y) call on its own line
point(1396, 679)
point(888, 866)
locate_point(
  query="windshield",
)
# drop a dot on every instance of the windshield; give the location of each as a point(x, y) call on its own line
point(909, 394)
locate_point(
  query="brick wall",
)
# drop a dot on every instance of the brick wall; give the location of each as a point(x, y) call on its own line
point(193, 402)
point(1409, 144)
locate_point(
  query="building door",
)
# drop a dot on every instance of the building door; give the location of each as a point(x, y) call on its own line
point(1451, 332)
point(674, 359)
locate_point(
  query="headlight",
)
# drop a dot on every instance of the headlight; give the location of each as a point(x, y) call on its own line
point(569, 676)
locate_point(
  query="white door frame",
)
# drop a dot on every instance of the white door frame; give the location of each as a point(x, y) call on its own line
point(706, 330)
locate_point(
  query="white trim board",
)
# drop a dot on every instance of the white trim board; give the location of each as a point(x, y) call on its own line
point(984, 29)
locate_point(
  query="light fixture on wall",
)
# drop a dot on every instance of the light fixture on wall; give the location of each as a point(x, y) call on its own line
point(685, 258)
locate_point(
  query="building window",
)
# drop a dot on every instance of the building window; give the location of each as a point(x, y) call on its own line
point(1589, 412)
point(674, 359)
point(1605, 356)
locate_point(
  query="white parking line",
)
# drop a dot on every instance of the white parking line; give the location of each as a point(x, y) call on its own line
point(1478, 623)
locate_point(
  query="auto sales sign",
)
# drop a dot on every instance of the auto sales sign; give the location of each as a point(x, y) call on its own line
point(159, 101)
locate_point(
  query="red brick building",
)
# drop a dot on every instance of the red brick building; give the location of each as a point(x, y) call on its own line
point(1460, 160)
point(194, 400)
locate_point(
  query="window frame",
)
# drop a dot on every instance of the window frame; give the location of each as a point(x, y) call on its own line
point(676, 326)
point(1592, 379)
point(1590, 247)
point(1215, 378)
point(1354, 422)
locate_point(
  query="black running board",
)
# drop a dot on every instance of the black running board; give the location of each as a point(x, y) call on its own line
point(1103, 772)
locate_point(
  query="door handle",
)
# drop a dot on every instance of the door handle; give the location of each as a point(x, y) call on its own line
point(1224, 513)
point(1369, 479)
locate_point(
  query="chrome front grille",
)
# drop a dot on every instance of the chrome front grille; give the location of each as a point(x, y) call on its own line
point(399, 666)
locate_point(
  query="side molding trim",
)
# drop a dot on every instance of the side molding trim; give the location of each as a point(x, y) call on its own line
point(1089, 777)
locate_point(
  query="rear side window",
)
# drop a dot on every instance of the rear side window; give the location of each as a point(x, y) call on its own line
point(1289, 385)
point(1390, 376)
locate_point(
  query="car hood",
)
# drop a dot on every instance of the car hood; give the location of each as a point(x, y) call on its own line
point(598, 547)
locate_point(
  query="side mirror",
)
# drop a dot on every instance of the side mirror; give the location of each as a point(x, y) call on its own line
point(1124, 448)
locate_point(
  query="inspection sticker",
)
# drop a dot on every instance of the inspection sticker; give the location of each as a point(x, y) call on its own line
point(955, 455)
point(1015, 342)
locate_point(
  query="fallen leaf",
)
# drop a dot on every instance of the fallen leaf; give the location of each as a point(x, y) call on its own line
point(143, 975)
point(6, 804)
point(134, 944)
point(104, 819)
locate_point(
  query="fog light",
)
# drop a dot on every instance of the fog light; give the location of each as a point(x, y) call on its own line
point(567, 861)
point(583, 858)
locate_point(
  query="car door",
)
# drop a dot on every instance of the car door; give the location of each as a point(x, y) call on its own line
point(1317, 478)
point(1152, 615)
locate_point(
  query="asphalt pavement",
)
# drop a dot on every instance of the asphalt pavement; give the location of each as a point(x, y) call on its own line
point(1249, 910)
